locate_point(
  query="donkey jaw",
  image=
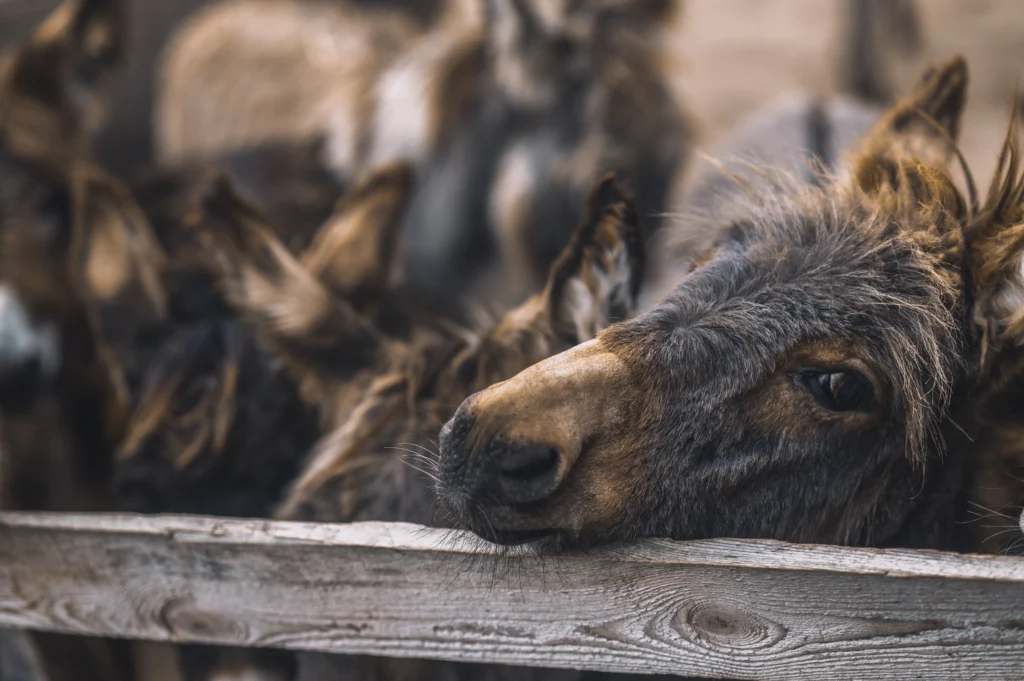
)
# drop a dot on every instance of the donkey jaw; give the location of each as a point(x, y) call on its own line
point(506, 525)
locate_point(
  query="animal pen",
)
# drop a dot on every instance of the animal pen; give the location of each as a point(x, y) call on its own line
point(722, 608)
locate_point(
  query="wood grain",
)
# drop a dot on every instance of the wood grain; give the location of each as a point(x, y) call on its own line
point(732, 609)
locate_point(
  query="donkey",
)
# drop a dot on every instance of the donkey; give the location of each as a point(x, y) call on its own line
point(360, 471)
point(996, 254)
point(216, 427)
point(52, 94)
point(118, 353)
point(512, 114)
point(326, 343)
point(106, 299)
point(62, 413)
point(802, 383)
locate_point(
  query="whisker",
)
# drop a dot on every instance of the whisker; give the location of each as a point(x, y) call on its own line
point(408, 461)
point(992, 512)
point(998, 534)
point(431, 454)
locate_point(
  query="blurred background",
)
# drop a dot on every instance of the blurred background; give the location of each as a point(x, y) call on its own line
point(733, 56)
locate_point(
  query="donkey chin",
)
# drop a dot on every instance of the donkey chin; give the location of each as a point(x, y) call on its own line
point(29, 355)
point(509, 492)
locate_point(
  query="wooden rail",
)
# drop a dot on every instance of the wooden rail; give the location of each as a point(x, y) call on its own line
point(736, 609)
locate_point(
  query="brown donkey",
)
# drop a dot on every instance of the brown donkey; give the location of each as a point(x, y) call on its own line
point(112, 335)
point(803, 383)
point(52, 91)
point(513, 109)
point(57, 415)
point(336, 354)
point(214, 425)
point(996, 255)
point(61, 312)
point(378, 464)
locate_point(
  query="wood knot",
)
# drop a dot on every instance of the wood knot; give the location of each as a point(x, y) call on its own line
point(185, 622)
point(723, 626)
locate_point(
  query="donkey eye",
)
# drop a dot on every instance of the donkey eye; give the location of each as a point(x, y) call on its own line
point(838, 390)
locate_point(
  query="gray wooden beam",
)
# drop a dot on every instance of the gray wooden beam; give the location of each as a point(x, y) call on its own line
point(735, 609)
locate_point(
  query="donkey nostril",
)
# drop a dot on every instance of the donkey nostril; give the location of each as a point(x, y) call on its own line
point(531, 465)
point(529, 473)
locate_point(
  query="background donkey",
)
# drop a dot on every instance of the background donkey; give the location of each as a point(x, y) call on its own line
point(215, 426)
point(797, 385)
point(57, 416)
point(113, 334)
point(378, 464)
point(512, 113)
point(995, 243)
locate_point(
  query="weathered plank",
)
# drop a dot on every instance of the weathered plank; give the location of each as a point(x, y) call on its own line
point(735, 609)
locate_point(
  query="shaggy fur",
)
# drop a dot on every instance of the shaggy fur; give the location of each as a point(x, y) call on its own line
point(217, 424)
point(120, 359)
point(378, 464)
point(56, 418)
point(712, 414)
point(58, 413)
point(996, 252)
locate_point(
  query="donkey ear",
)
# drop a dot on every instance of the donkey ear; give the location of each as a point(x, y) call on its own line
point(358, 247)
point(69, 59)
point(115, 256)
point(921, 129)
point(995, 250)
point(320, 337)
point(997, 269)
point(116, 264)
point(596, 279)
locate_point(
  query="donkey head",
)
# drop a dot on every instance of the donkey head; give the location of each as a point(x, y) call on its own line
point(51, 94)
point(543, 47)
point(55, 85)
point(308, 310)
point(995, 248)
point(592, 284)
point(793, 386)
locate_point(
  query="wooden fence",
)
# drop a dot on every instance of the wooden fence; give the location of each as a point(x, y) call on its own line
point(736, 609)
